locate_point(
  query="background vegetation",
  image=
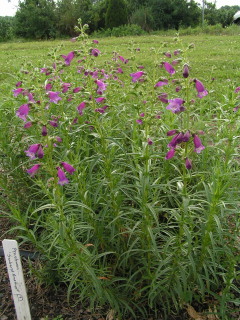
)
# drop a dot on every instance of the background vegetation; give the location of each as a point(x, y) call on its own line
point(47, 19)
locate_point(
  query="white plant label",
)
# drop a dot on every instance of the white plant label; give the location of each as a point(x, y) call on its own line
point(15, 273)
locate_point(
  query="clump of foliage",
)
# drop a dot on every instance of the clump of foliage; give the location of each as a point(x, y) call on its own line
point(6, 28)
point(132, 178)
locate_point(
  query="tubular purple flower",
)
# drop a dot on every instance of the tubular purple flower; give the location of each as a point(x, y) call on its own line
point(200, 89)
point(95, 52)
point(237, 90)
point(185, 71)
point(23, 111)
point(77, 89)
point(53, 123)
point(54, 96)
point(65, 87)
point(68, 58)
point(169, 68)
point(163, 97)
point(170, 154)
point(81, 107)
point(188, 164)
point(198, 144)
point(172, 132)
point(101, 86)
point(161, 83)
point(33, 170)
point(32, 150)
point(100, 99)
point(139, 121)
point(177, 139)
point(44, 131)
point(48, 86)
point(70, 169)
point(18, 91)
point(95, 41)
point(18, 84)
point(168, 54)
point(176, 105)
point(136, 76)
point(186, 136)
point(27, 125)
point(149, 141)
point(62, 179)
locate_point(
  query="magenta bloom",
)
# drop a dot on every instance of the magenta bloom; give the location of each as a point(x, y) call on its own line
point(169, 68)
point(95, 41)
point(163, 97)
point(48, 86)
point(149, 141)
point(119, 70)
point(170, 154)
point(177, 139)
point(65, 87)
point(172, 132)
point(23, 111)
point(35, 151)
point(95, 52)
point(100, 99)
point(122, 59)
point(198, 144)
point(62, 179)
point(77, 89)
point(32, 171)
point(176, 105)
point(237, 90)
point(168, 54)
point(44, 131)
point(101, 86)
point(53, 123)
point(188, 164)
point(68, 167)
point(54, 96)
point(200, 89)
point(176, 52)
point(136, 76)
point(18, 91)
point(68, 58)
point(27, 125)
point(161, 83)
point(185, 71)
point(18, 84)
point(139, 121)
point(81, 107)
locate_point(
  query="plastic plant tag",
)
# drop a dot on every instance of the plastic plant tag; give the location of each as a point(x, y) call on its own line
point(15, 273)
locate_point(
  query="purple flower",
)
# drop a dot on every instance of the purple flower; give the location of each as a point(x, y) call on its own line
point(68, 167)
point(30, 97)
point(27, 125)
point(163, 97)
point(35, 150)
point(18, 91)
point(81, 107)
point(18, 84)
point(95, 41)
point(77, 89)
point(122, 59)
point(170, 154)
point(23, 111)
point(139, 121)
point(186, 136)
point(62, 179)
point(168, 54)
point(68, 58)
point(176, 105)
point(101, 86)
point(188, 164)
point(172, 132)
point(237, 90)
point(65, 87)
point(100, 99)
point(101, 110)
point(136, 76)
point(161, 83)
point(32, 171)
point(185, 71)
point(200, 89)
point(48, 86)
point(54, 96)
point(95, 52)
point(149, 141)
point(119, 70)
point(177, 139)
point(198, 144)
point(53, 123)
point(176, 52)
point(44, 131)
point(169, 68)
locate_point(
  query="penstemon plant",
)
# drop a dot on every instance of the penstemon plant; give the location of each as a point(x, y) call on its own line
point(130, 197)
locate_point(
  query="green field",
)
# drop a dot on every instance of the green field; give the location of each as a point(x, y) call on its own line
point(134, 213)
